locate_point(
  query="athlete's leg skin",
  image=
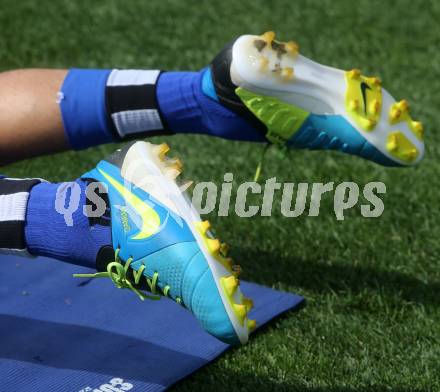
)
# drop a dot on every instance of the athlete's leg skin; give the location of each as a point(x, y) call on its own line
point(30, 118)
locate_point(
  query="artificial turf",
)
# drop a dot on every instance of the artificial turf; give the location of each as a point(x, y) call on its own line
point(373, 285)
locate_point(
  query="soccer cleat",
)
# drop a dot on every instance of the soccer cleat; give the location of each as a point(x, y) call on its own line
point(161, 245)
point(299, 103)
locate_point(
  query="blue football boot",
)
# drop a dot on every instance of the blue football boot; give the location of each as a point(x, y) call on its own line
point(160, 243)
point(298, 103)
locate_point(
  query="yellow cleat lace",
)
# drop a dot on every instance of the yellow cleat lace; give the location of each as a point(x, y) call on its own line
point(117, 272)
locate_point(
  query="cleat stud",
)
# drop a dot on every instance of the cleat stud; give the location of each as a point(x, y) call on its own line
point(248, 303)
point(395, 112)
point(369, 124)
point(240, 311)
point(417, 128)
point(236, 270)
point(252, 324)
point(292, 48)
point(354, 73)
point(268, 36)
point(230, 284)
point(392, 144)
point(354, 104)
point(224, 249)
point(203, 226)
point(263, 63)
point(213, 245)
point(161, 150)
point(403, 105)
point(376, 82)
point(400, 147)
point(287, 73)
point(411, 154)
point(375, 106)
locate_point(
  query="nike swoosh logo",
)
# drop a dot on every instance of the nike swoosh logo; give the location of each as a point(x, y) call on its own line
point(364, 88)
point(150, 218)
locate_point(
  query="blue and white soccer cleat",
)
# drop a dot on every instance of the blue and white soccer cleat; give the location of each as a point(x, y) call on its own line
point(299, 103)
point(160, 242)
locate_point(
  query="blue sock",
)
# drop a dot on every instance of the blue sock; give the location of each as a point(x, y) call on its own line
point(100, 106)
point(83, 109)
point(189, 104)
point(48, 234)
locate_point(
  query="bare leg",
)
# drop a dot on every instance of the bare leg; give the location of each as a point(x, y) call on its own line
point(30, 117)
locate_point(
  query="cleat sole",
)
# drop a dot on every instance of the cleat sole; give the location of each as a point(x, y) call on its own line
point(302, 84)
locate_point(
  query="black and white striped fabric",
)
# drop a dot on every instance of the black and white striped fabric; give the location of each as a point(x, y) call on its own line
point(14, 195)
point(132, 105)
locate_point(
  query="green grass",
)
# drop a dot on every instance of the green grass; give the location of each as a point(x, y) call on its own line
point(373, 316)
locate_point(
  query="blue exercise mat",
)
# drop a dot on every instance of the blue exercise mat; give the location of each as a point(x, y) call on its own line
point(59, 333)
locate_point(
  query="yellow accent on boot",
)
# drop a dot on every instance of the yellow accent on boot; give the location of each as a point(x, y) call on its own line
point(252, 324)
point(236, 269)
point(240, 311)
point(263, 63)
point(417, 128)
point(248, 303)
point(365, 90)
point(230, 285)
point(399, 112)
point(292, 48)
point(268, 37)
point(224, 249)
point(400, 147)
point(281, 119)
point(214, 246)
point(161, 150)
point(203, 226)
point(287, 73)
